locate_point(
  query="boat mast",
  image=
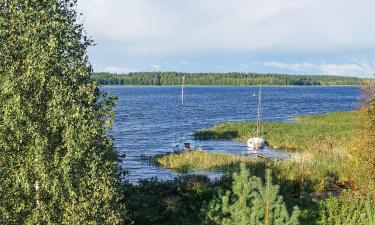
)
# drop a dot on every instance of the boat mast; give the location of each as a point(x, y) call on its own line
point(259, 105)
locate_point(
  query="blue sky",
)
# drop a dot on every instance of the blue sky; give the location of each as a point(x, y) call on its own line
point(333, 37)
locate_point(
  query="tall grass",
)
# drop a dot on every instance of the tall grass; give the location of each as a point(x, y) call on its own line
point(335, 142)
point(341, 156)
point(190, 160)
point(338, 142)
point(314, 176)
point(303, 133)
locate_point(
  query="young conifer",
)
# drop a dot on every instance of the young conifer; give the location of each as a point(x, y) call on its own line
point(57, 164)
point(251, 202)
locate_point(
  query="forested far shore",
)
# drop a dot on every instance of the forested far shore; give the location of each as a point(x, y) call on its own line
point(236, 79)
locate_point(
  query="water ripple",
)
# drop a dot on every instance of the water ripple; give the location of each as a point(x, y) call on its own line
point(149, 119)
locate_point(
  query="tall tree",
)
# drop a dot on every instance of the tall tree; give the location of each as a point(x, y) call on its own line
point(57, 164)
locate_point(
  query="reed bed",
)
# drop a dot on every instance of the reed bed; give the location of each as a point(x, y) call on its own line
point(336, 145)
point(304, 133)
point(202, 160)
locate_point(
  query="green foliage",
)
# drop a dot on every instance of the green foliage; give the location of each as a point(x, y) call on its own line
point(237, 79)
point(177, 201)
point(349, 208)
point(250, 202)
point(57, 164)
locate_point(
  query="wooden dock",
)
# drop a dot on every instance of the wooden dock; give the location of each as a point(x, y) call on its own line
point(270, 158)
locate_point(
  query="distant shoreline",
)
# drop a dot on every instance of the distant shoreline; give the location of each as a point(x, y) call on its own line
point(223, 79)
point(135, 85)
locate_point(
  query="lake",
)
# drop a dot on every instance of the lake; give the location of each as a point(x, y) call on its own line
point(150, 119)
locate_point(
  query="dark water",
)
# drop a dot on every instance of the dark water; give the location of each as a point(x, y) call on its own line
point(149, 119)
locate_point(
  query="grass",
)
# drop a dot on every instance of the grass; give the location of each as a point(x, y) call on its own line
point(202, 160)
point(339, 147)
point(304, 133)
point(311, 174)
point(336, 143)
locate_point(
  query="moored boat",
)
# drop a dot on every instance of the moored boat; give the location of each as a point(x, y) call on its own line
point(257, 143)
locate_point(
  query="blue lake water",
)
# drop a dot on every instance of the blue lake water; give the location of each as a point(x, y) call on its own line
point(150, 119)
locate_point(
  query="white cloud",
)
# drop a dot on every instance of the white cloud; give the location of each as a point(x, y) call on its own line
point(292, 66)
point(350, 69)
point(219, 35)
point(246, 66)
point(156, 67)
point(147, 26)
point(116, 69)
point(347, 69)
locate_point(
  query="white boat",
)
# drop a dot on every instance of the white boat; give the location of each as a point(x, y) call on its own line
point(257, 143)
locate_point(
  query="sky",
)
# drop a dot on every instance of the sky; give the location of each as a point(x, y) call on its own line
point(330, 37)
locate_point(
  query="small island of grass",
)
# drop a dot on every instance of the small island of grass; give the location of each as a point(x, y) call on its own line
point(202, 160)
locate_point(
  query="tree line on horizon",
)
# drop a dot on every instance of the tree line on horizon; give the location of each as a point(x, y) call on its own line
point(235, 79)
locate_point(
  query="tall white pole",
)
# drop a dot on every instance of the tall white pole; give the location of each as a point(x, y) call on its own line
point(259, 105)
point(182, 106)
point(182, 90)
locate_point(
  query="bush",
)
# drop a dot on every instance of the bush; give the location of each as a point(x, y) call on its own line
point(349, 208)
point(177, 201)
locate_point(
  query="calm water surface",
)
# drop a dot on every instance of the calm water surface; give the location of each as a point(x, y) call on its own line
point(150, 119)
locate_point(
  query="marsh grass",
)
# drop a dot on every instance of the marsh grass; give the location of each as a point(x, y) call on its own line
point(302, 133)
point(338, 142)
point(290, 171)
point(201, 160)
point(335, 143)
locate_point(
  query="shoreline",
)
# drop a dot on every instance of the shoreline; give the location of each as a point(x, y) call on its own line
point(323, 149)
point(119, 85)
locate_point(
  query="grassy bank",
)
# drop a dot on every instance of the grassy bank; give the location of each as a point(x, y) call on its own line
point(313, 176)
point(335, 144)
point(339, 143)
point(340, 152)
point(304, 133)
